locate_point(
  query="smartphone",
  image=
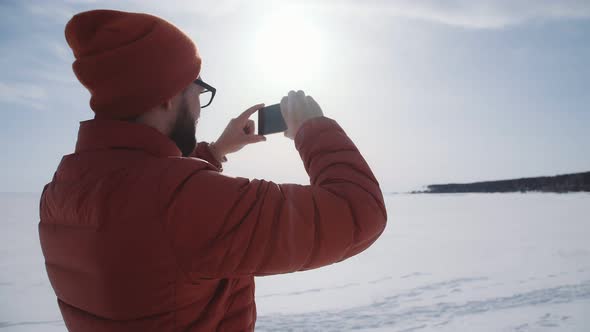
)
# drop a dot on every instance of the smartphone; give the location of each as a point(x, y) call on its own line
point(270, 120)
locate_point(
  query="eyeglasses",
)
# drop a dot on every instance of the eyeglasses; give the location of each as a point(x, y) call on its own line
point(207, 94)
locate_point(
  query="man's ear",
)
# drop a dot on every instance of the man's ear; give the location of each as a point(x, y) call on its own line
point(167, 105)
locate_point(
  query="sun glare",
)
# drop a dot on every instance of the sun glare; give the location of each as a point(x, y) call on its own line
point(288, 47)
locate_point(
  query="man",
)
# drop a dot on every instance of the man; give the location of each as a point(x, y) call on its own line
point(140, 229)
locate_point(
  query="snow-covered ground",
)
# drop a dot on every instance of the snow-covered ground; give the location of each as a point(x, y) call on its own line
point(460, 262)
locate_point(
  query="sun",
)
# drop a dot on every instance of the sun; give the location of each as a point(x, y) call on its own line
point(289, 47)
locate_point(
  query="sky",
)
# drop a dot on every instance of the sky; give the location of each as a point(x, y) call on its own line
point(429, 91)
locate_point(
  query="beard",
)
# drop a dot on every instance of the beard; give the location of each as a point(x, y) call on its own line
point(184, 130)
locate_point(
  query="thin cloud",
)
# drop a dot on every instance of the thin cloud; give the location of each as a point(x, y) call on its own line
point(183, 13)
point(23, 94)
point(55, 12)
point(486, 14)
point(60, 50)
point(212, 8)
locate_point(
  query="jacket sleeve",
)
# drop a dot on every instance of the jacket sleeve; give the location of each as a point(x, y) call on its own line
point(222, 226)
point(202, 151)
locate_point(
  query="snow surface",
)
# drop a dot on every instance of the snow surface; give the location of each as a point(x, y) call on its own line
point(448, 262)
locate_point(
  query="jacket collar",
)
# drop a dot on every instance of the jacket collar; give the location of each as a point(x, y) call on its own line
point(99, 134)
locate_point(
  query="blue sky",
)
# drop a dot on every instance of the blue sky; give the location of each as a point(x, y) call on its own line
point(430, 92)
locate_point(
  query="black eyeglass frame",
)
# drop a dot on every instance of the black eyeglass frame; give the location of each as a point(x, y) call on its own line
point(208, 88)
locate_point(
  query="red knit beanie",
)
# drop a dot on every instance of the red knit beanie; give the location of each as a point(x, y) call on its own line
point(130, 62)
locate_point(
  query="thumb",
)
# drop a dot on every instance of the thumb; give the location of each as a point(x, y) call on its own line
point(256, 139)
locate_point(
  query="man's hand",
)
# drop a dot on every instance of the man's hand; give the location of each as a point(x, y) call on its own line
point(296, 109)
point(239, 132)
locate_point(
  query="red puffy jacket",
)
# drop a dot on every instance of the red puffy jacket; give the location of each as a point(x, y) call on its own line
point(138, 238)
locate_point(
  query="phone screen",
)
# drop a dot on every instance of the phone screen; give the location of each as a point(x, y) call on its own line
point(270, 120)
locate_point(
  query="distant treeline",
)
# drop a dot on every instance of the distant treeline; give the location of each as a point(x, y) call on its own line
point(559, 184)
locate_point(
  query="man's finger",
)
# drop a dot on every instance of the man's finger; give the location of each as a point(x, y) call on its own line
point(250, 127)
point(247, 113)
point(284, 105)
point(311, 102)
